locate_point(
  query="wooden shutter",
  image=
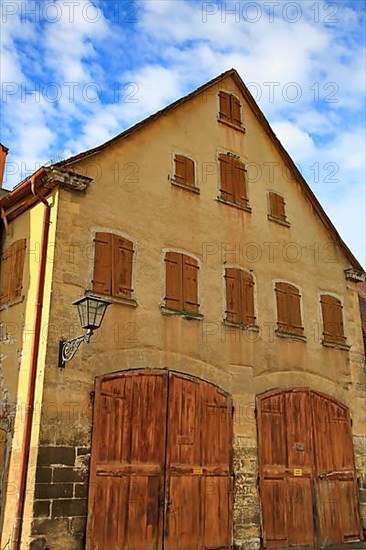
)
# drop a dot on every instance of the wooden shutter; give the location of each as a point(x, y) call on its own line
point(294, 308)
point(224, 106)
point(333, 330)
point(12, 271)
point(122, 267)
point(226, 177)
point(239, 182)
point(247, 294)
point(180, 169)
point(277, 206)
point(235, 111)
point(102, 282)
point(18, 269)
point(233, 309)
point(6, 275)
point(282, 306)
point(184, 170)
point(174, 287)
point(190, 284)
point(288, 308)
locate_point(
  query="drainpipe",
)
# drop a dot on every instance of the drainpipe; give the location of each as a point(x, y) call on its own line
point(24, 458)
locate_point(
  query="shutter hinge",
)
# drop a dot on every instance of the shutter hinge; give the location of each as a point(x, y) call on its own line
point(91, 397)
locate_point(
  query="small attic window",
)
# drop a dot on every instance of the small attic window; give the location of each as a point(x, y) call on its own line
point(277, 208)
point(230, 110)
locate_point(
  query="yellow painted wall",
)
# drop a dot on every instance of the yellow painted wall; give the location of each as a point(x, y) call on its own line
point(19, 322)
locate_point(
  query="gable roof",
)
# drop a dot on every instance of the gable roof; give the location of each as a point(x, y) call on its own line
point(265, 125)
point(318, 209)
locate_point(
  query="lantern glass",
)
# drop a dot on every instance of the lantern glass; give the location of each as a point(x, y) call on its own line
point(91, 311)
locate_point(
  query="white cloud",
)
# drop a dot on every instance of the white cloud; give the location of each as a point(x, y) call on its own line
point(174, 47)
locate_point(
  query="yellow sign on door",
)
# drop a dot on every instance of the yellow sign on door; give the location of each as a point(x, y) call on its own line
point(298, 472)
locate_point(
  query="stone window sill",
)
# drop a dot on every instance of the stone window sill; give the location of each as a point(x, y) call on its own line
point(290, 335)
point(185, 186)
point(231, 125)
point(242, 326)
point(229, 203)
point(183, 314)
point(114, 299)
point(280, 221)
point(13, 302)
point(335, 345)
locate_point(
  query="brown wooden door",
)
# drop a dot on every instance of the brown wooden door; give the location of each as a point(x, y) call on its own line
point(336, 485)
point(199, 481)
point(304, 471)
point(160, 473)
point(127, 462)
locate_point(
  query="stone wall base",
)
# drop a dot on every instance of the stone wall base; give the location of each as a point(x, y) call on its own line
point(248, 544)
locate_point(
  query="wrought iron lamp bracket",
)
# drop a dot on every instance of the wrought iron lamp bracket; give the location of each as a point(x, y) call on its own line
point(68, 348)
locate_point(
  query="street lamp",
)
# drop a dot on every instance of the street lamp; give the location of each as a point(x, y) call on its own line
point(91, 312)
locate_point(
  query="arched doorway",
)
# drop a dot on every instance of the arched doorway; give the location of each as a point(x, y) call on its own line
point(307, 471)
point(161, 472)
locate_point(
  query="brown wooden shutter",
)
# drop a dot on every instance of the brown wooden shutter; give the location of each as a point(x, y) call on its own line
point(184, 170)
point(190, 177)
point(282, 306)
point(12, 271)
point(294, 307)
point(233, 302)
point(281, 207)
point(102, 282)
point(6, 275)
point(333, 330)
point(235, 111)
point(247, 294)
point(240, 183)
point(122, 267)
point(190, 284)
point(18, 269)
point(277, 206)
point(226, 177)
point(174, 287)
point(225, 106)
point(180, 169)
point(273, 204)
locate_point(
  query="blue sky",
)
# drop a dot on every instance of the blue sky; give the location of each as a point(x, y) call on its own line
point(77, 72)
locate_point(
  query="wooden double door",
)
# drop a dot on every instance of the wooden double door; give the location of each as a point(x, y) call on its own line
point(307, 471)
point(161, 473)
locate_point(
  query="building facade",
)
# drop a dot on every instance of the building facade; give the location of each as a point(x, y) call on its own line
point(222, 402)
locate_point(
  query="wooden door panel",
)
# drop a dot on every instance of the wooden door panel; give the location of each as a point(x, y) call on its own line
point(217, 491)
point(184, 518)
point(272, 433)
point(274, 515)
point(336, 477)
point(298, 429)
point(347, 491)
point(184, 422)
point(143, 513)
point(300, 523)
point(198, 466)
point(109, 517)
point(127, 462)
point(328, 511)
point(148, 419)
